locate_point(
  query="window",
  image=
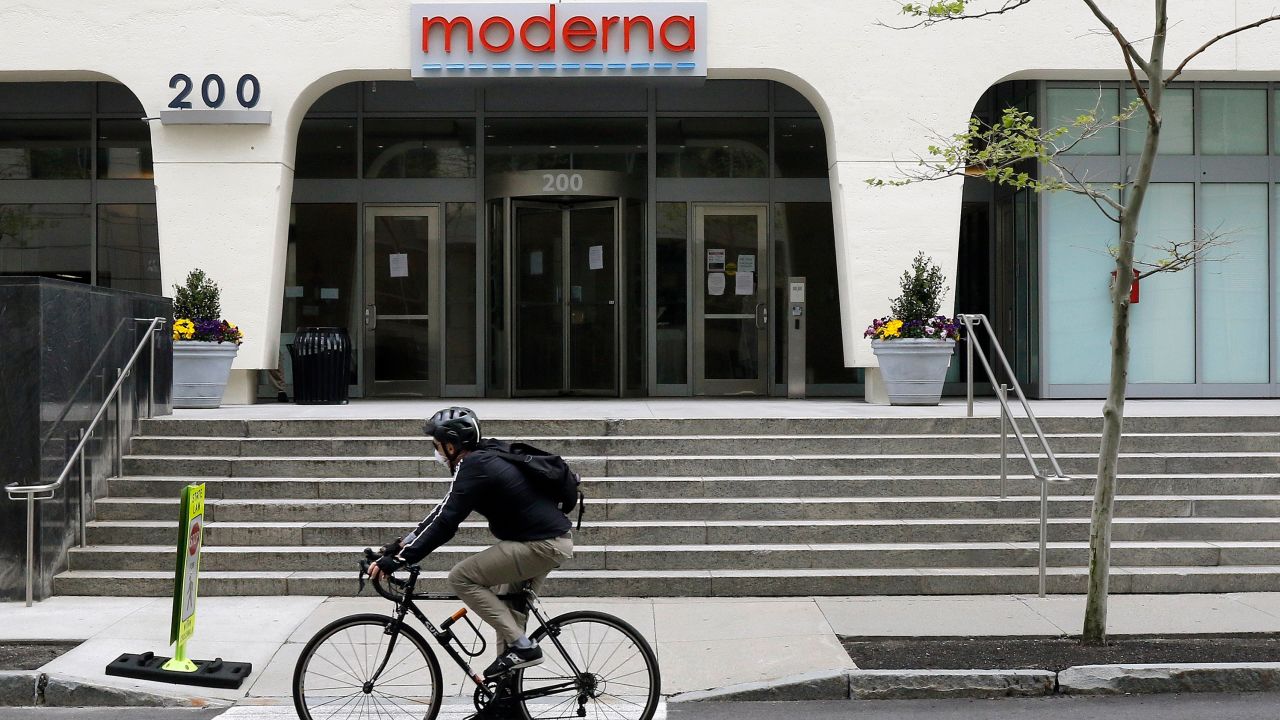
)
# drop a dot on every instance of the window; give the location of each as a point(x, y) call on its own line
point(708, 147)
point(47, 240)
point(326, 149)
point(1233, 121)
point(124, 149)
point(1162, 332)
point(671, 287)
point(800, 148)
point(129, 248)
point(1078, 272)
point(419, 148)
point(1177, 135)
point(804, 245)
point(460, 257)
point(1234, 311)
point(1067, 104)
point(617, 144)
point(44, 149)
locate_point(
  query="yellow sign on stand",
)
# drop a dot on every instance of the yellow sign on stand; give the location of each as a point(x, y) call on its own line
point(186, 579)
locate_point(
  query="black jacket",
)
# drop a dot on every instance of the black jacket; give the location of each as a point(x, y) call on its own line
point(493, 487)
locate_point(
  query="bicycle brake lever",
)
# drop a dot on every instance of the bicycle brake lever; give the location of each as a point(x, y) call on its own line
point(369, 558)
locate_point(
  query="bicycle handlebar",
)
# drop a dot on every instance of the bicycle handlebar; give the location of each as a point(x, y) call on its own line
point(371, 557)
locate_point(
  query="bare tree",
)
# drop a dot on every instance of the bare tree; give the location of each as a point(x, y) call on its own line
point(1001, 152)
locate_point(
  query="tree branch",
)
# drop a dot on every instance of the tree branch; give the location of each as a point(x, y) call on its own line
point(1215, 39)
point(1130, 53)
point(1005, 7)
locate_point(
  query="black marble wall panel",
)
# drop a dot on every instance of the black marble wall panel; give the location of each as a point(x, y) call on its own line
point(61, 345)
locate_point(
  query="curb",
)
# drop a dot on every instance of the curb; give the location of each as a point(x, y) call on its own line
point(33, 688)
point(846, 684)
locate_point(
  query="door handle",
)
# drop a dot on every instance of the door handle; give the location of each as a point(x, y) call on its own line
point(762, 315)
point(370, 317)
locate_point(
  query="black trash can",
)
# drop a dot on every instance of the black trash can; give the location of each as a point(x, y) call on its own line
point(321, 358)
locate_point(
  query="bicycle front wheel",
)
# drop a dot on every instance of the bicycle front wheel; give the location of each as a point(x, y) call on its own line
point(333, 679)
point(597, 663)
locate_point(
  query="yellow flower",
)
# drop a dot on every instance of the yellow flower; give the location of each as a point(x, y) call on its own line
point(183, 329)
point(892, 329)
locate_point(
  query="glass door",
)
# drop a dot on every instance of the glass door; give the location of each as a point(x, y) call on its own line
point(731, 300)
point(565, 300)
point(401, 281)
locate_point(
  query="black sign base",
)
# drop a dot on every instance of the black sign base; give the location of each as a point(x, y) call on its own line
point(209, 673)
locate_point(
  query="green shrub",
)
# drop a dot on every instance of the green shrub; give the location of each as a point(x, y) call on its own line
point(922, 289)
point(199, 299)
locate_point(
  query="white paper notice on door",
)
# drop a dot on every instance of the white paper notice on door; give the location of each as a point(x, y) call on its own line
point(747, 263)
point(399, 264)
point(595, 257)
point(715, 259)
point(715, 283)
point(535, 262)
point(744, 283)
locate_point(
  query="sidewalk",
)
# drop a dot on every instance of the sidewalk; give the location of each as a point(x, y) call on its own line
point(701, 643)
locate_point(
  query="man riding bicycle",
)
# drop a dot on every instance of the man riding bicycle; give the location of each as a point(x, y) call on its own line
point(534, 536)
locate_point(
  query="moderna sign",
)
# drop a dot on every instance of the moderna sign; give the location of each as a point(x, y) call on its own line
point(542, 39)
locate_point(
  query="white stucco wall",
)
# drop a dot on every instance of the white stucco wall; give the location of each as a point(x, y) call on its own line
point(223, 192)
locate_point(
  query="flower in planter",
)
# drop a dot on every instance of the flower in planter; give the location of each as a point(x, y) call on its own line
point(197, 306)
point(183, 329)
point(915, 311)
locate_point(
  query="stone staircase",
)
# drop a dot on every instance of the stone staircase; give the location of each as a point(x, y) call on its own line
point(708, 507)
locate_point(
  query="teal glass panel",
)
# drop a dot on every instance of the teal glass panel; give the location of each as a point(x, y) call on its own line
point(1177, 137)
point(1077, 275)
point(1066, 104)
point(1234, 284)
point(1162, 330)
point(1233, 121)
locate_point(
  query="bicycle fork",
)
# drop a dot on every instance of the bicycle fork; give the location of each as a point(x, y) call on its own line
point(392, 631)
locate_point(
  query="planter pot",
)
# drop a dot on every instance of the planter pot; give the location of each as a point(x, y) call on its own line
point(913, 368)
point(200, 371)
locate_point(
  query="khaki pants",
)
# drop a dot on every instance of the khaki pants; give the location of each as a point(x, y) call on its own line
point(479, 580)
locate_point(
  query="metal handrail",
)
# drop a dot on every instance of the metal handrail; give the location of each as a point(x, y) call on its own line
point(1002, 395)
point(45, 491)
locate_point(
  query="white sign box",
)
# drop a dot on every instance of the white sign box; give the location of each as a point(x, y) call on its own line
point(541, 39)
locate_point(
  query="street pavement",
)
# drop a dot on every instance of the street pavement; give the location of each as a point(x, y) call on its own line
point(1260, 706)
point(702, 643)
point(1154, 707)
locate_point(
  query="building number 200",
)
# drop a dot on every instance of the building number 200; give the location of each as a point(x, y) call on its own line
point(561, 182)
point(213, 91)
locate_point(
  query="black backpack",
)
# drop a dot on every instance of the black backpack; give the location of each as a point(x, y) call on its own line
point(550, 474)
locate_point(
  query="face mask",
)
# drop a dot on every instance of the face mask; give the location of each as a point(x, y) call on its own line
point(441, 459)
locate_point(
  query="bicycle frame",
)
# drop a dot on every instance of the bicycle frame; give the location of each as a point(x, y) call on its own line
point(444, 634)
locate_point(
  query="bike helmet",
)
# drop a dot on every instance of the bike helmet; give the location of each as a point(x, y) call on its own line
point(456, 425)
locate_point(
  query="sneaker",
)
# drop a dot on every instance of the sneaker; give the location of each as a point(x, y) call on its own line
point(514, 659)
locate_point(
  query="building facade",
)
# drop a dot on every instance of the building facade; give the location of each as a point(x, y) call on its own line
point(613, 199)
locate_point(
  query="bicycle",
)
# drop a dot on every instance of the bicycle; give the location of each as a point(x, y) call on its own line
point(596, 665)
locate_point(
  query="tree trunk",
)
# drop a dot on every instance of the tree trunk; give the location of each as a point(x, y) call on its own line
point(1095, 617)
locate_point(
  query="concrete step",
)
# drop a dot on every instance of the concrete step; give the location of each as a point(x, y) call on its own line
point(695, 426)
point(790, 508)
point(692, 487)
point(673, 445)
point(705, 557)
point(717, 465)
point(709, 583)
point(711, 532)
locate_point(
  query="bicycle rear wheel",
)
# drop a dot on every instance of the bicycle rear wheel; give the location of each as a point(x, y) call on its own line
point(617, 674)
point(332, 678)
